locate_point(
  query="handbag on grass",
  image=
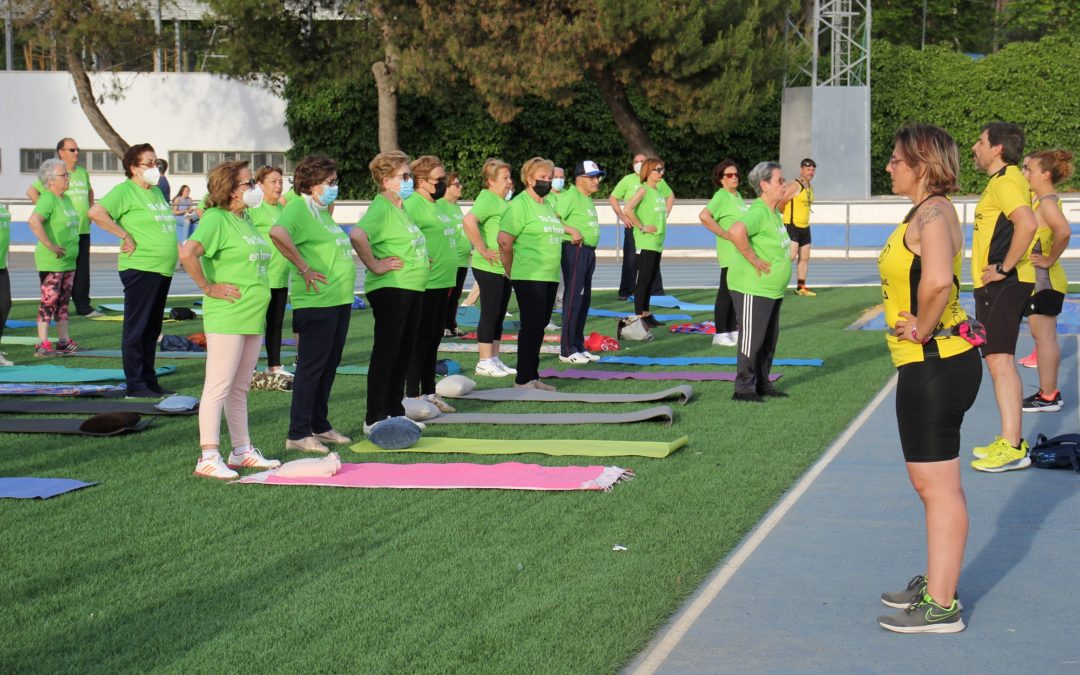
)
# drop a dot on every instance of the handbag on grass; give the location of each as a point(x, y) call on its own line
point(633, 328)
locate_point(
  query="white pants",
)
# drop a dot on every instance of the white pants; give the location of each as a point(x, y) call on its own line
point(230, 362)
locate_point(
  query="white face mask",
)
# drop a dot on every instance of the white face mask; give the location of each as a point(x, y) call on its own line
point(637, 167)
point(152, 175)
point(509, 194)
point(253, 198)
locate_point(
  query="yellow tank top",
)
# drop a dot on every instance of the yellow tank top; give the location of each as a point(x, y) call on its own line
point(900, 271)
point(1053, 278)
point(797, 211)
point(1006, 191)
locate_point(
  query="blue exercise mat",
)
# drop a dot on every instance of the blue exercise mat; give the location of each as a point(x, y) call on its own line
point(671, 301)
point(470, 316)
point(61, 374)
point(623, 315)
point(699, 361)
point(38, 488)
point(19, 323)
point(26, 389)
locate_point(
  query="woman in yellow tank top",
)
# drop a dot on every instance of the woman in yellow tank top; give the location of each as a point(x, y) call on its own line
point(1043, 171)
point(938, 373)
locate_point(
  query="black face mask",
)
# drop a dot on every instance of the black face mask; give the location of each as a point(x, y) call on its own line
point(440, 189)
point(542, 188)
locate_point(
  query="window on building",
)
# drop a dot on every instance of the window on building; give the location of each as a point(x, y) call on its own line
point(202, 161)
point(95, 161)
point(30, 159)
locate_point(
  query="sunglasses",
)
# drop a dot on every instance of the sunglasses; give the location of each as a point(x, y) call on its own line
point(405, 176)
point(731, 175)
point(70, 149)
point(250, 183)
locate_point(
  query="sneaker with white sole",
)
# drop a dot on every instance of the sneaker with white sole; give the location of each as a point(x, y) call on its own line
point(4, 361)
point(490, 368)
point(214, 468)
point(508, 369)
point(1002, 457)
point(916, 588)
point(925, 616)
point(589, 355)
point(252, 459)
point(576, 358)
point(309, 444)
point(723, 340)
point(1037, 403)
point(333, 436)
point(535, 384)
point(438, 402)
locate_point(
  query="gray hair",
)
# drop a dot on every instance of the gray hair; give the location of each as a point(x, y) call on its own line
point(47, 171)
point(761, 172)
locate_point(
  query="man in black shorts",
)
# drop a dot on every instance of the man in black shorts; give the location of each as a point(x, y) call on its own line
point(1003, 277)
point(798, 201)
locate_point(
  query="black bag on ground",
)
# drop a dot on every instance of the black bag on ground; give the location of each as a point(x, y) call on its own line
point(182, 313)
point(1059, 452)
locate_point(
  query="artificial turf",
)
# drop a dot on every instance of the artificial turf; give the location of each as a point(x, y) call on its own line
point(157, 570)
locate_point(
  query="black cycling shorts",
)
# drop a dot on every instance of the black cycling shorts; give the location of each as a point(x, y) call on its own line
point(1000, 306)
point(1046, 303)
point(799, 235)
point(931, 399)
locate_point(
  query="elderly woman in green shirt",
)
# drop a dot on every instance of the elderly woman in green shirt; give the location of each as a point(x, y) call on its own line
point(55, 223)
point(269, 182)
point(646, 211)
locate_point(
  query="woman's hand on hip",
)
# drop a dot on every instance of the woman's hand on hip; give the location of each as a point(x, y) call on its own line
point(384, 265)
point(226, 292)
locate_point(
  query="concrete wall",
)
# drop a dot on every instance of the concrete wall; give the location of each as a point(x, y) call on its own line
point(831, 125)
point(171, 111)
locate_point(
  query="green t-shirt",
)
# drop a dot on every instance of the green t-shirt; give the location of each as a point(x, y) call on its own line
point(726, 208)
point(5, 235)
point(552, 200)
point(488, 209)
point(452, 214)
point(440, 237)
point(579, 212)
point(149, 219)
point(538, 243)
point(265, 217)
point(290, 196)
point(629, 184)
point(769, 239)
point(62, 228)
point(325, 246)
point(391, 233)
point(78, 192)
point(651, 210)
point(235, 253)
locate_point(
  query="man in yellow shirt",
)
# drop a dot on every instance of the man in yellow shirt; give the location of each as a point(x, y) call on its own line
point(796, 205)
point(1004, 279)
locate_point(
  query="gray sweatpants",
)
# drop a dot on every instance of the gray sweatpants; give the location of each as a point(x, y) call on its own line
point(759, 328)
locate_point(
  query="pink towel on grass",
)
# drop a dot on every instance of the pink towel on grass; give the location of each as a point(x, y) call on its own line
point(503, 476)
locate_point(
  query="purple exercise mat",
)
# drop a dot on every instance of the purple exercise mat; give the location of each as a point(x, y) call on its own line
point(695, 376)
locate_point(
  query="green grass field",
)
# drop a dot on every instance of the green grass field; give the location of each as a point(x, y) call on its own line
point(157, 570)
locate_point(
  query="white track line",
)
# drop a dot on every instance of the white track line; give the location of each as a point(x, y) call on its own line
point(663, 647)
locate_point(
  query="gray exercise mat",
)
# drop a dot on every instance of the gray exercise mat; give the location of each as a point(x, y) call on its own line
point(51, 425)
point(661, 412)
point(88, 407)
point(683, 392)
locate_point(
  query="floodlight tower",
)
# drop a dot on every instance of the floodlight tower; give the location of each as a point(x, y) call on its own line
point(826, 107)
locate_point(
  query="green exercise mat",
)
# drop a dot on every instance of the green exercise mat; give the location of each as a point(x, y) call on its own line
point(22, 340)
point(116, 354)
point(558, 447)
point(63, 374)
point(352, 370)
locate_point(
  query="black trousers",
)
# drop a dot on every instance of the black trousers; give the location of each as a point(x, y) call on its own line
point(322, 332)
point(535, 301)
point(397, 317)
point(759, 328)
point(630, 267)
point(494, 299)
point(455, 297)
point(578, 266)
point(724, 309)
point(420, 375)
point(648, 272)
point(145, 294)
point(80, 292)
point(275, 319)
point(5, 299)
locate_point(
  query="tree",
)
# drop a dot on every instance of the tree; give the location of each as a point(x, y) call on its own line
point(966, 25)
point(112, 31)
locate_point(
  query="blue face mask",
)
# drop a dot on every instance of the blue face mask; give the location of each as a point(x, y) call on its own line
point(509, 194)
point(557, 184)
point(328, 195)
point(406, 189)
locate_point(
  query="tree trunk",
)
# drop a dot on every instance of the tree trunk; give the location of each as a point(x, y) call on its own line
point(386, 85)
point(630, 126)
point(89, 104)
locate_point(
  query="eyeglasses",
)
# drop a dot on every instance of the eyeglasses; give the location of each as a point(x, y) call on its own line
point(250, 183)
point(148, 163)
point(330, 183)
point(404, 176)
point(731, 175)
point(70, 149)
point(659, 170)
point(63, 175)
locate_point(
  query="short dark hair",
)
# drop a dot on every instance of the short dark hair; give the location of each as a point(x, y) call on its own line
point(807, 162)
point(311, 171)
point(60, 143)
point(1009, 136)
point(163, 164)
point(132, 155)
point(718, 172)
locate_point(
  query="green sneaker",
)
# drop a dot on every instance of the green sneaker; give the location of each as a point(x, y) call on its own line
point(925, 616)
point(916, 588)
point(981, 451)
point(1004, 457)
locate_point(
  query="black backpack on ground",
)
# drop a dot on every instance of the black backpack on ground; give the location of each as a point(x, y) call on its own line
point(1059, 452)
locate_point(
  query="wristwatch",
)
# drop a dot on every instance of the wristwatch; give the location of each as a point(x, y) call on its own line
point(1001, 270)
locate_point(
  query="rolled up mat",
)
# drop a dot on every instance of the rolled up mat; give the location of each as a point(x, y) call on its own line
point(623, 315)
point(660, 412)
point(512, 337)
point(24, 389)
point(26, 487)
point(116, 354)
point(460, 347)
point(683, 392)
point(62, 374)
point(690, 376)
point(670, 301)
point(699, 361)
point(352, 370)
point(19, 323)
point(87, 407)
point(559, 448)
point(503, 476)
point(52, 425)
point(25, 340)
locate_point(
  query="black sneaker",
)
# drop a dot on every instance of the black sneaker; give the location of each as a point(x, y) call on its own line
point(925, 616)
point(774, 393)
point(916, 588)
point(748, 396)
point(160, 390)
point(1036, 403)
point(651, 321)
point(143, 393)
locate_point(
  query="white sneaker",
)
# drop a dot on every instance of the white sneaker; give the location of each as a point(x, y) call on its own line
point(369, 427)
point(507, 369)
point(490, 368)
point(576, 358)
point(252, 459)
point(279, 370)
point(551, 327)
point(724, 340)
point(214, 468)
point(4, 361)
point(589, 355)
